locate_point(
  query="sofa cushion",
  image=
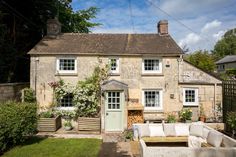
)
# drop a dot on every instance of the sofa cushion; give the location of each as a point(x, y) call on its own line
point(214, 138)
point(196, 130)
point(156, 130)
point(182, 129)
point(228, 142)
point(169, 129)
point(205, 132)
point(143, 130)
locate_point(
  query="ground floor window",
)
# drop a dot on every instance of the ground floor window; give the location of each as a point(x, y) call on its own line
point(66, 101)
point(152, 99)
point(190, 96)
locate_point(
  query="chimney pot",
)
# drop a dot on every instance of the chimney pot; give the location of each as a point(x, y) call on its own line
point(162, 27)
point(53, 27)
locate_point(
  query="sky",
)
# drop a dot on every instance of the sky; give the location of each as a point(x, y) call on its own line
point(196, 24)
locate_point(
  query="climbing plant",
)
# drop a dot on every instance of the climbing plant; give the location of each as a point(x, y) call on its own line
point(88, 93)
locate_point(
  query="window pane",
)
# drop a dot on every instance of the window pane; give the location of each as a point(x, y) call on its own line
point(66, 101)
point(114, 64)
point(113, 100)
point(151, 64)
point(152, 98)
point(67, 64)
point(189, 95)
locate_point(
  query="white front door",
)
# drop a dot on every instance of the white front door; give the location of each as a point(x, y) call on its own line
point(114, 111)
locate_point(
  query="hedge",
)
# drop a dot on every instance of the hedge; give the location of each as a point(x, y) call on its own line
point(17, 121)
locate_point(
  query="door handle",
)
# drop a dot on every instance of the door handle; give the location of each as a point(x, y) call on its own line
point(106, 114)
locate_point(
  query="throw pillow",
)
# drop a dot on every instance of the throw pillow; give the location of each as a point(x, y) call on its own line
point(196, 130)
point(156, 130)
point(169, 129)
point(182, 129)
point(143, 130)
point(205, 133)
point(214, 138)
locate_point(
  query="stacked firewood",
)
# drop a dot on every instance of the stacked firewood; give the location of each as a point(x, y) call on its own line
point(135, 116)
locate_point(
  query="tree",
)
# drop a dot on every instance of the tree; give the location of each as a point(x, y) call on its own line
point(22, 25)
point(227, 45)
point(202, 59)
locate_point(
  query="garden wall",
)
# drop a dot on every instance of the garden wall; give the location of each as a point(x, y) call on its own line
point(12, 91)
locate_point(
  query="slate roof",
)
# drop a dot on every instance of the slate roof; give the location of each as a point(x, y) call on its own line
point(108, 44)
point(227, 59)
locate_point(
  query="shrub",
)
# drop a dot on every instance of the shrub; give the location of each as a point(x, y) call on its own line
point(29, 95)
point(17, 120)
point(231, 120)
point(171, 118)
point(46, 114)
point(185, 114)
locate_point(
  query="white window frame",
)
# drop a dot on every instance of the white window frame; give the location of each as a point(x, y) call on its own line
point(111, 109)
point(117, 63)
point(152, 71)
point(196, 103)
point(66, 71)
point(70, 108)
point(161, 99)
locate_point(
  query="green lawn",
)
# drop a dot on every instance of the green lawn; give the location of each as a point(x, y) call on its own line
point(51, 147)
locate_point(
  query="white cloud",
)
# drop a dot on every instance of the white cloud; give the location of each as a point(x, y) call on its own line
point(217, 36)
point(211, 25)
point(189, 39)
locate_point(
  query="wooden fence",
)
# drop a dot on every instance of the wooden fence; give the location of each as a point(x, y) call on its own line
point(229, 98)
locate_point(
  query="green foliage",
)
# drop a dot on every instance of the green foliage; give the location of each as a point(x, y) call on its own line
point(185, 114)
point(128, 134)
point(65, 113)
point(17, 120)
point(22, 25)
point(202, 59)
point(231, 120)
point(29, 95)
point(88, 93)
point(67, 123)
point(171, 118)
point(47, 114)
point(226, 46)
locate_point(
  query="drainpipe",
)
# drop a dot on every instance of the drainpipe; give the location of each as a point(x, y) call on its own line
point(214, 100)
point(35, 76)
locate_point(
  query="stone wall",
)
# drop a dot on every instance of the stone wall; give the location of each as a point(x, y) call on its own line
point(176, 75)
point(12, 91)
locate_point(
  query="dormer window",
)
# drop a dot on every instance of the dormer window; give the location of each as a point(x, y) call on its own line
point(152, 65)
point(114, 64)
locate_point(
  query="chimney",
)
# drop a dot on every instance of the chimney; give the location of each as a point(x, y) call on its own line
point(162, 27)
point(53, 27)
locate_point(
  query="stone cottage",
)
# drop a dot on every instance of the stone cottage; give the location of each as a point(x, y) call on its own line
point(147, 71)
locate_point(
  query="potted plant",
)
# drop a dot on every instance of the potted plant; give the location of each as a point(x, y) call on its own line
point(48, 121)
point(128, 135)
point(67, 125)
point(202, 116)
point(231, 121)
point(171, 118)
point(186, 115)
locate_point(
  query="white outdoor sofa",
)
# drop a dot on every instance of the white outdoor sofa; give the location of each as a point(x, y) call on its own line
point(201, 141)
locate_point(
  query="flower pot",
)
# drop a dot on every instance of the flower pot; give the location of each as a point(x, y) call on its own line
point(86, 124)
point(188, 121)
point(203, 119)
point(49, 124)
point(67, 128)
